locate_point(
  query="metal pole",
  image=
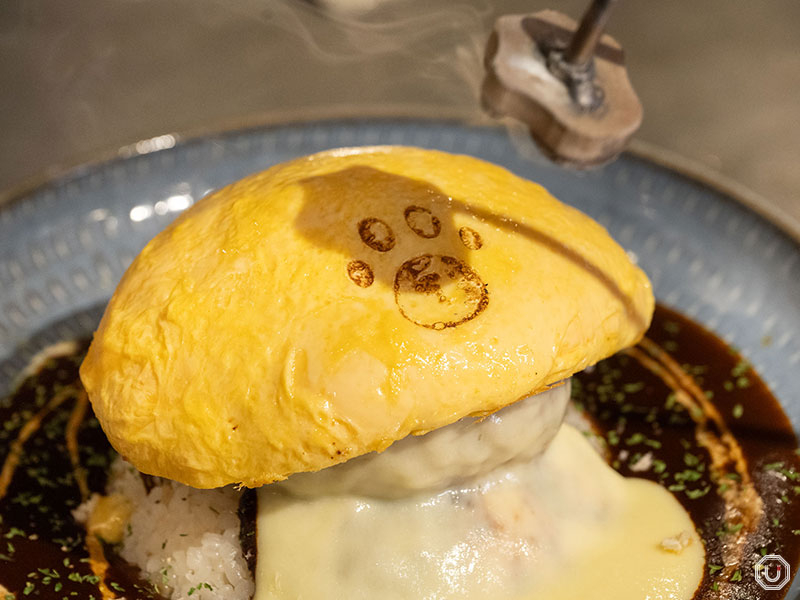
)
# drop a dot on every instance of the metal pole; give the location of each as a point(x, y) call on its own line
point(593, 24)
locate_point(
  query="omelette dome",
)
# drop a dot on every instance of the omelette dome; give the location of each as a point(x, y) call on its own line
point(334, 304)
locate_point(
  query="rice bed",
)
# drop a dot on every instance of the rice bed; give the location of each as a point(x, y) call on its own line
point(185, 540)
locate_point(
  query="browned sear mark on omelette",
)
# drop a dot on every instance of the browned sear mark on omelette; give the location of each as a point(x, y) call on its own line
point(470, 238)
point(360, 273)
point(376, 234)
point(437, 291)
point(422, 222)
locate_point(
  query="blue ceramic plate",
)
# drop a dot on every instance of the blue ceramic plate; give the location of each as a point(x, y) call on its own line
point(64, 246)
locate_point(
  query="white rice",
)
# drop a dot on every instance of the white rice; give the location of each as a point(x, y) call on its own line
point(185, 541)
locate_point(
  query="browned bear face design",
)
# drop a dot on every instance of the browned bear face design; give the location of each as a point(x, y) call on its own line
point(431, 290)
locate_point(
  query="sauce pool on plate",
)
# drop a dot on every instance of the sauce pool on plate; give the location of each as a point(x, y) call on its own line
point(681, 409)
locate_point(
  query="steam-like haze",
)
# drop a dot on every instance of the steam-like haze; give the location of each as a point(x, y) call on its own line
point(121, 71)
point(446, 41)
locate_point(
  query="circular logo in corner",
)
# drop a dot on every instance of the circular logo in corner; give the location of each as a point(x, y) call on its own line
point(772, 572)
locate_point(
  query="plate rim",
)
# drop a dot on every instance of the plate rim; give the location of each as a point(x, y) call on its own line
point(638, 148)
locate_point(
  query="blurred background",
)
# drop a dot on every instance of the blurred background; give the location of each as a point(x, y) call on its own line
point(719, 79)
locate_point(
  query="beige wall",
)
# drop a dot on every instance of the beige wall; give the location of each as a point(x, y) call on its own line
point(719, 79)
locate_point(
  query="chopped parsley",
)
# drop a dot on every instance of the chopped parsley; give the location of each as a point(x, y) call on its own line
point(199, 587)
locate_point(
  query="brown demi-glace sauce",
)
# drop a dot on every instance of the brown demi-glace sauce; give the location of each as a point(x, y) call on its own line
point(648, 432)
point(729, 457)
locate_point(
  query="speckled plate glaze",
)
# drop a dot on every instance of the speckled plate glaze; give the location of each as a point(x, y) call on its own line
point(64, 246)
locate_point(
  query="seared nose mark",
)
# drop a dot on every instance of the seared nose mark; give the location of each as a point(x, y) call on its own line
point(438, 291)
point(422, 222)
point(417, 265)
point(376, 234)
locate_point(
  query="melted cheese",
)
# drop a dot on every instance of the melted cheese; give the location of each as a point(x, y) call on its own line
point(561, 526)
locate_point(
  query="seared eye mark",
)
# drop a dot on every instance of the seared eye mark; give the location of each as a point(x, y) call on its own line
point(360, 273)
point(423, 222)
point(470, 238)
point(376, 234)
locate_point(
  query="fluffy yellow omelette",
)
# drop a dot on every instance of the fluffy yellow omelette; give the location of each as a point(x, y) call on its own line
point(332, 305)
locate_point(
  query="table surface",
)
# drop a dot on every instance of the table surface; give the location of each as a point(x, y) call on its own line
point(719, 80)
